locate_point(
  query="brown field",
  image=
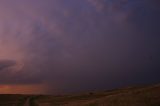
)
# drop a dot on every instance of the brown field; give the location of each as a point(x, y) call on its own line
point(133, 96)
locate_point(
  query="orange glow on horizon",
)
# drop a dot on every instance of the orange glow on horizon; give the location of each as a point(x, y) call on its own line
point(23, 89)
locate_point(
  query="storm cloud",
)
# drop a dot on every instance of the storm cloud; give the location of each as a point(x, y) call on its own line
point(79, 45)
point(4, 64)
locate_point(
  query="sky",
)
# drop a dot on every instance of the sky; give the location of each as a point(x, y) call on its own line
point(66, 46)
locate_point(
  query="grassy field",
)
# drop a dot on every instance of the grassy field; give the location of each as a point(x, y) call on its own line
point(133, 96)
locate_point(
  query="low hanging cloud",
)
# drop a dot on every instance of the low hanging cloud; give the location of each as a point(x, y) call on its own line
point(78, 45)
point(5, 64)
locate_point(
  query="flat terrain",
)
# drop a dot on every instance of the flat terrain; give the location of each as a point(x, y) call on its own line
point(133, 96)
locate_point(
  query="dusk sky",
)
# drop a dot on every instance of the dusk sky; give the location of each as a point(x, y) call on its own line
point(64, 46)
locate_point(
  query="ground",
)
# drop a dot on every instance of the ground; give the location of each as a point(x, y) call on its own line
point(131, 96)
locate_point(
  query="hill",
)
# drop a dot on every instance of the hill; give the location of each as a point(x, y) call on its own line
point(133, 96)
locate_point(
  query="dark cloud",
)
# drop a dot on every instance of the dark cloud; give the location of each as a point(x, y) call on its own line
point(5, 64)
point(79, 45)
point(155, 3)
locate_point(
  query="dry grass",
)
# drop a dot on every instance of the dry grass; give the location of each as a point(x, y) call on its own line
point(143, 96)
point(139, 96)
point(12, 100)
